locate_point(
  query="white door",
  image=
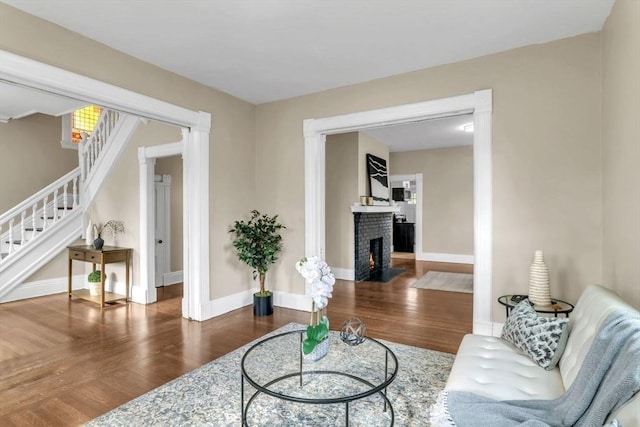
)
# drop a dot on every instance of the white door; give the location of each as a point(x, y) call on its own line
point(163, 227)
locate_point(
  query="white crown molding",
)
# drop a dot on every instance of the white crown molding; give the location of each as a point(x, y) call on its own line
point(52, 79)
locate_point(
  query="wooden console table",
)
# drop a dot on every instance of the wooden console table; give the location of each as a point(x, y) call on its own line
point(106, 255)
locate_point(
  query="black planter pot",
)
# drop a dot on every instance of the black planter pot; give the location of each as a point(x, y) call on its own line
point(262, 305)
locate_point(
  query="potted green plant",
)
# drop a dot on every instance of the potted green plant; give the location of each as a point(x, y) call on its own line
point(95, 282)
point(258, 243)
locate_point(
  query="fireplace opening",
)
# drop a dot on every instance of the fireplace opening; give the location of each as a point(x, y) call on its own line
point(375, 256)
point(372, 241)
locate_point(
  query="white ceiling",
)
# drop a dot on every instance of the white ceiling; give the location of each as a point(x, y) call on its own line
point(266, 50)
point(425, 135)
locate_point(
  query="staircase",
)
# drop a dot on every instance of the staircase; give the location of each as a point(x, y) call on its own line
point(36, 230)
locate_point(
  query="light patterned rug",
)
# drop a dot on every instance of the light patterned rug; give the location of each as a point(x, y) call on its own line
point(210, 395)
point(441, 281)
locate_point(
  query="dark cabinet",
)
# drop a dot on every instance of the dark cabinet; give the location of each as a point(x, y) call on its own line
point(403, 236)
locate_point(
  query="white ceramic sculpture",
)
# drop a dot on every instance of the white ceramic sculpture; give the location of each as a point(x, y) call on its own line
point(539, 292)
point(88, 238)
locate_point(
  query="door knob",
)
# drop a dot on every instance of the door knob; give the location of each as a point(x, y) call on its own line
point(159, 241)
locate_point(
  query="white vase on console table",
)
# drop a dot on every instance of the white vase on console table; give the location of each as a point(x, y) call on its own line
point(539, 293)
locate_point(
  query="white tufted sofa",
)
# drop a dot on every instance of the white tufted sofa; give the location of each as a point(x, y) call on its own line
point(491, 367)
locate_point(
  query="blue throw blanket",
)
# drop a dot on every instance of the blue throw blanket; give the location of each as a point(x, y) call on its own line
point(608, 378)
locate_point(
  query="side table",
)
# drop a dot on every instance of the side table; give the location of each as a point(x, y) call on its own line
point(106, 255)
point(557, 306)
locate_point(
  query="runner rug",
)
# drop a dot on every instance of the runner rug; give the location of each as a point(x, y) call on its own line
point(441, 281)
point(210, 395)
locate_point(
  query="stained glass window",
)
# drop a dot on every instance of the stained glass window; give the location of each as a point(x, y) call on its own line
point(84, 120)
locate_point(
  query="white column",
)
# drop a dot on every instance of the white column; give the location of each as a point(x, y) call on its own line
point(196, 219)
point(145, 291)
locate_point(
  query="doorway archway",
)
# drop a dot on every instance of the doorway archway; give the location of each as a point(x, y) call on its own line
point(26, 72)
point(479, 104)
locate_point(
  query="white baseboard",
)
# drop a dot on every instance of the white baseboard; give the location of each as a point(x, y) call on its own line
point(497, 329)
point(242, 299)
point(292, 301)
point(343, 273)
point(484, 328)
point(435, 257)
point(41, 288)
point(172, 278)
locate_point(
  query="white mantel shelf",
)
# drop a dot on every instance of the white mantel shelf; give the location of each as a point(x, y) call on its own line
point(374, 209)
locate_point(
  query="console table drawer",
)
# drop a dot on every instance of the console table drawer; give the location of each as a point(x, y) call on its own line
point(92, 257)
point(76, 255)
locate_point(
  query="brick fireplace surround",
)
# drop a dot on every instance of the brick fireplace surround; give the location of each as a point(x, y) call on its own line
point(368, 226)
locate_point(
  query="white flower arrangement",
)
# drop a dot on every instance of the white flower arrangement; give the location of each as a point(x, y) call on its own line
point(318, 276)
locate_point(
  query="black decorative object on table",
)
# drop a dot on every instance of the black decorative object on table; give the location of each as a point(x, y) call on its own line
point(98, 243)
point(353, 331)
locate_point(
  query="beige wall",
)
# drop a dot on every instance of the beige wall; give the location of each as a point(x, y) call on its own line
point(546, 156)
point(447, 202)
point(31, 144)
point(347, 179)
point(342, 182)
point(621, 150)
point(173, 166)
point(232, 139)
point(547, 162)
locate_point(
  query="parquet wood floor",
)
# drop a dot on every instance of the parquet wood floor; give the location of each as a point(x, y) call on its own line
point(64, 362)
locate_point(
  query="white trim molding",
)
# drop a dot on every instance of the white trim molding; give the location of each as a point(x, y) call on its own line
point(27, 72)
point(344, 273)
point(435, 257)
point(480, 104)
point(241, 299)
point(41, 288)
point(172, 278)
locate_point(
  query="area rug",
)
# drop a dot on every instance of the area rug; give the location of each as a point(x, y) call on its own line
point(210, 395)
point(441, 281)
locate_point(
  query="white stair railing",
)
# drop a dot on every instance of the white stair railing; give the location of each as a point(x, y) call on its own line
point(91, 146)
point(37, 213)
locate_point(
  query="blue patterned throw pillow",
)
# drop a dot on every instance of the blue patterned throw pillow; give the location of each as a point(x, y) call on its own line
point(541, 338)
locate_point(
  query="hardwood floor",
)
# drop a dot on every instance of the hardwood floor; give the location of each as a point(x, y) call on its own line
point(64, 362)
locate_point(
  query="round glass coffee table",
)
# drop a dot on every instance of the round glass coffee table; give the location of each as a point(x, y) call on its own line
point(350, 382)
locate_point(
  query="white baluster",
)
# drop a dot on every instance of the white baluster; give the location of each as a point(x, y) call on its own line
point(55, 206)
point(75, 193)
point(81, 156)
point(44, 212)
point(65, 194)
point(23, 218)
point(101, 137)
point(92, 153)
point(34, 209)
point(11, 236)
